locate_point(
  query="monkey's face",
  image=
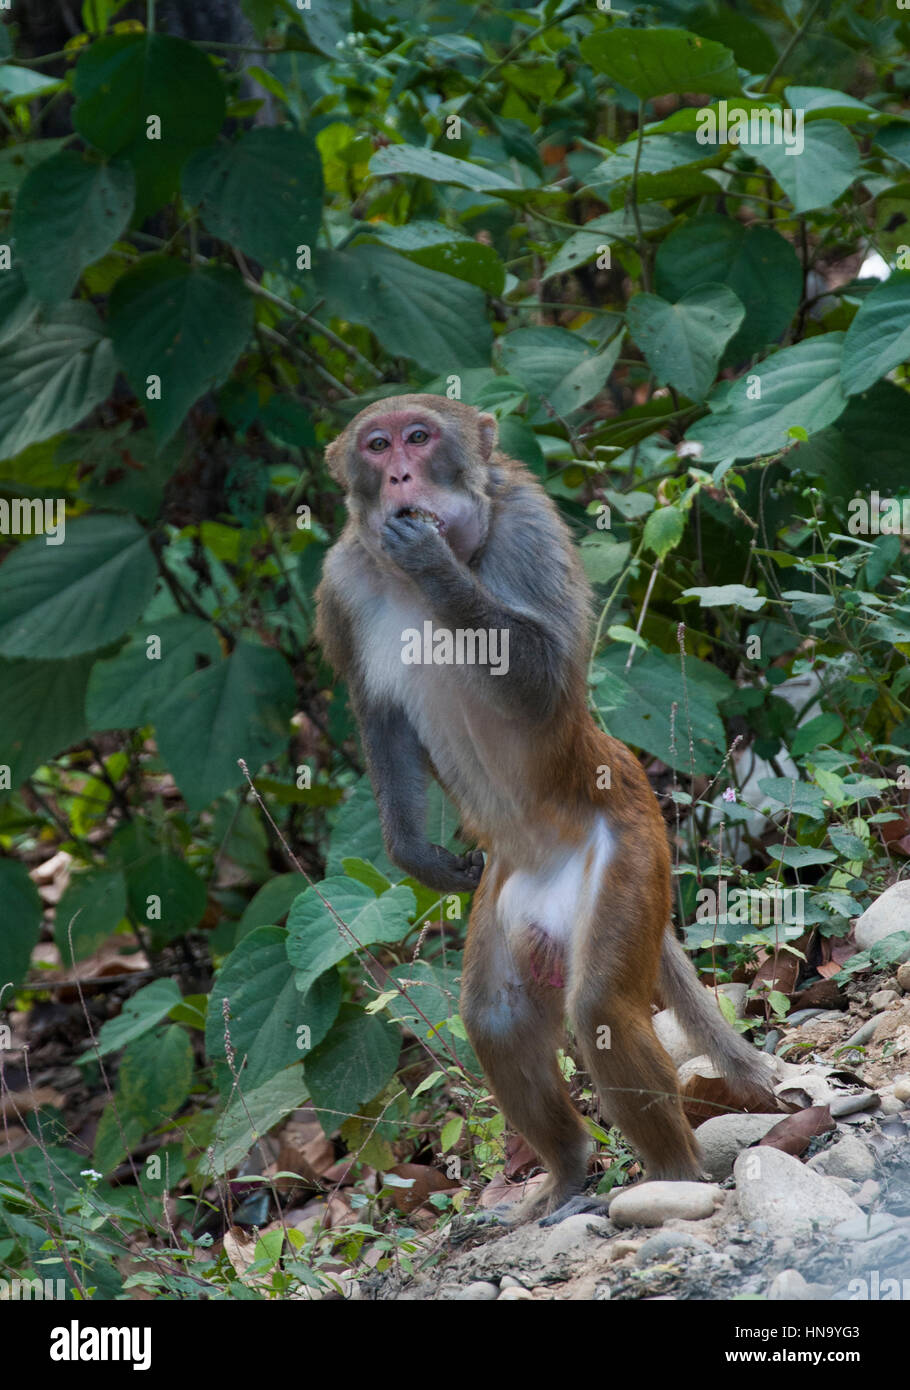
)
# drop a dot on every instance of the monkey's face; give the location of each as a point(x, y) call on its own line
point(417, 463)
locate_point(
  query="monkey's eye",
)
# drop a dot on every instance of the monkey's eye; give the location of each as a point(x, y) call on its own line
point(378, 444)
point(418, 436)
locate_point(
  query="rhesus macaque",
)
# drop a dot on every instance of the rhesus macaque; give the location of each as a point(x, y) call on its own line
point(571, 914)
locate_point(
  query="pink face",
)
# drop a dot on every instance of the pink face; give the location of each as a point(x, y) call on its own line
point(406, 448)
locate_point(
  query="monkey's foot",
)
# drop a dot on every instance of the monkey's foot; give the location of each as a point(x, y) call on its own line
point(478, 1223)
point(582, 1205)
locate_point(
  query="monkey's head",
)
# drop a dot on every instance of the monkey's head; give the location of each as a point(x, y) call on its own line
point(420, 456)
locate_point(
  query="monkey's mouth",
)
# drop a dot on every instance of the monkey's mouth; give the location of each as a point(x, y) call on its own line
point(422, 514)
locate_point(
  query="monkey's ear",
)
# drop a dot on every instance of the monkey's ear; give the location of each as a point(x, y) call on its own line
point(334, 461)
point(487, 430)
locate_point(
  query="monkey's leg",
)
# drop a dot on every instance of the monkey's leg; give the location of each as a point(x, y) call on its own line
point(515, 1023)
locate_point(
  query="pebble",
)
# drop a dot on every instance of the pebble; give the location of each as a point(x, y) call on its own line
point(803, 1016)
point(902, 1089)
point(772, 1040)
point(903, 977)
point(777, 1194)
point(788, 1284)
point(848, 1158)
point(891, 1105)
point(571, 1235)
point(508, 1281)
point(883, 997)
point(868, 1194)
point(849, 1105)
point(653, 1203)
point(864, 1227)
point(887, 915)
point(724, 1136)
point(863, 1034)
point(515, 1294)
point(478, 1292)
point(667, 1243)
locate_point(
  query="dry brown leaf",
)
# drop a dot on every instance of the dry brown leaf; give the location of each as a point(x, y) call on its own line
point(424, 1181)
point(794, 1133)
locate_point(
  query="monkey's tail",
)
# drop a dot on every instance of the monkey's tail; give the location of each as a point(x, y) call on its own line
point(701, 1020)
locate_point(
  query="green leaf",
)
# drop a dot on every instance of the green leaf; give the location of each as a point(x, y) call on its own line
point(558, 366)
point(127, 690)
point(441, 168)
point(800, 385)
point(43, 704)
point(664, 530)
point(825, 728)
point(17, 307)
point(354, 1063)
point(801, 856)
point(878, 339)
point(20, 926)
point(155, 1076)
point(17, 161)
point(826, 101)
point(434, 990)
point(261, 1108)
point(357, 833)
point(438, 248)
point(721, 595)
point(267, 1011)
point(756, 263)
point(239, 708)
point(79, 596)
point(91, 908)
point(650, 688)
point(802, 798)
point(652, 62)
point(52, 375)
point(271, 903)
point(582, 246)
point(683, 342)
point(273, 167)
point(436, 320)
point(184, 326)
point(317, 941)
point(138, 1016)
point(819, 174)
point(181, 893)
point(847, 844)
point(69, 212)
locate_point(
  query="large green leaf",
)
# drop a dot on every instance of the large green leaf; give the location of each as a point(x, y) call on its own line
point(582, 246)
point(20, 924)
point(251, 1115)
point(436, 320)
point(317, 940)
point(269, 167)
point(271, 903)
point(43, 706)
point(238, 708)
point(69, 211)
point(92, 906)
point(800, 386)
point(558, 366)
point(756, 263)
point(652, 62)
point(683, 342)
point(51, 375)
point(878, 339)
point(357, 833)
point(155, 1076)
point(139, 1015)
point(267, 1012)
point(64, 600)
point(637, 707)
point(352, 1065)
point(128, 690)
point(819, 174)
point(17, 306)
point(166, 894)
point(184, 327)
point(434, 990)
point(441, 168)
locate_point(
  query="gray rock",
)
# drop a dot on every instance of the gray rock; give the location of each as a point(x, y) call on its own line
point(653, 1203)
point(574, 1234)
point(667, 1243)
point(889, 913)
point(902, 1089)
point(479, 1292)
point(849, 1105)
point(891, 1105)
point(508, 1281)
point(883, 997)
point(724, 1136)
point(848, 1158)
point(864, 1227)
point(903, 977)
point(778, 1194)
point(516, 1293)
point(789, 1284)
point(868, 1194)
point(864, 1033)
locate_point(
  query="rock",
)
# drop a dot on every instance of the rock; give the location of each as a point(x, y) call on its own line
point(864, 1033)
point(849, 1105)
point(845, 1184)
point(891, 1105)
point(883, 997)
point(902, 1089)
point(868, 1194)
point(864, 1227)
point(848, 1158)
point(776, 1190)
point(803, 1016)
point(771, 1041)
point(667, 1243)
point(889, 913)
point(724, 1136)
point(903, 977)
point(515, 1293)
point(571, 1235)
point(478, 1292)
point(508, 1281)
point(617, 1249)
point(788, 1284)
point(672, 1038)
point(653, 1203)
point(737, 994)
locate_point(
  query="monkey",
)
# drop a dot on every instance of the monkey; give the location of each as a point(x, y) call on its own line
point(571, 912)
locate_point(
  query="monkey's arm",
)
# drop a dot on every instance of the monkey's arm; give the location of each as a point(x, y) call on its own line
point(398, 770)
point(537, 651)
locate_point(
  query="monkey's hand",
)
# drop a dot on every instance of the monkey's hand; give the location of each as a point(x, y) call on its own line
point(437, 868)
point(415, 546)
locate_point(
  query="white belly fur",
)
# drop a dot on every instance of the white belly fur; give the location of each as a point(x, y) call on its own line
point(559, 895)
